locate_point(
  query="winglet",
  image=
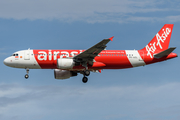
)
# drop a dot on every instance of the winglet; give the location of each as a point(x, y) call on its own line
point(111, 38)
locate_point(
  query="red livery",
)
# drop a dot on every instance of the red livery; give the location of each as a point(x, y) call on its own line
point(68, 63)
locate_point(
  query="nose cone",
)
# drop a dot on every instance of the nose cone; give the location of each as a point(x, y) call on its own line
point(7, 62)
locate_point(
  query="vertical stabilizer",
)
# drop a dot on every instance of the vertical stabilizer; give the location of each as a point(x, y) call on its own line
point(160, 42)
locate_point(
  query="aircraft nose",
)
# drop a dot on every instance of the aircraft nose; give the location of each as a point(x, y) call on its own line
point(7, 61)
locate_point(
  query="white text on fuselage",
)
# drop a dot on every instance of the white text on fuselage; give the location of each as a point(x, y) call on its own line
point(151, 48)
point(42, 55)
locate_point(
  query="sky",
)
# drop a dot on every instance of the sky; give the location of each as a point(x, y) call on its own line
point(141, 93)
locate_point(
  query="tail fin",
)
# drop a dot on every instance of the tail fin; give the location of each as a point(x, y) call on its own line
point(160, 42)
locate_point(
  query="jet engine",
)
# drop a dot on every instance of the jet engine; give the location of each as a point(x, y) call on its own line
point(63, 74)
point(65, 63)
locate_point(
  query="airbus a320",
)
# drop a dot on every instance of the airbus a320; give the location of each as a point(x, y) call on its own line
point(69, 63)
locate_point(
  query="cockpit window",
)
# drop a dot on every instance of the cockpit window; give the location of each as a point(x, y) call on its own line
point(14, 54)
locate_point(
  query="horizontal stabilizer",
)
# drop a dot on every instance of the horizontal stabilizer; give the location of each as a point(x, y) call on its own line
point(164, 53)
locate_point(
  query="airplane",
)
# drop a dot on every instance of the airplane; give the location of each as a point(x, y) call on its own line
point(69, 63)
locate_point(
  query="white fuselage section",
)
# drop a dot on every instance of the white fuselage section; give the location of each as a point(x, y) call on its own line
point(22, 59)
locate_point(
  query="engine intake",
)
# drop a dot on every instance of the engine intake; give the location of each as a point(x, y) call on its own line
point(65, 63)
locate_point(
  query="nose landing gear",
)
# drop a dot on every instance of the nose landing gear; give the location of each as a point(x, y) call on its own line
point(27, 71)
point(26, 76)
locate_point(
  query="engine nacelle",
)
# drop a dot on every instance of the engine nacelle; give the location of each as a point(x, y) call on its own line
point(65, 63)
point(63, 74)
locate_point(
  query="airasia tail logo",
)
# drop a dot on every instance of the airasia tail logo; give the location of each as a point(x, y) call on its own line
point(151, 48)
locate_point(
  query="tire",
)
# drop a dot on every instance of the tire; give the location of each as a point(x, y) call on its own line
point(86, 72)
point(85, 79)
point(26, 76)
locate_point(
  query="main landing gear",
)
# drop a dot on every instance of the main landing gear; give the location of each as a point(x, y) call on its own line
point(27, 71)
point(86, 73)
point(85, 79)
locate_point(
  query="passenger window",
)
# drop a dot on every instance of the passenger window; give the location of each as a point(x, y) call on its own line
point(16, 54)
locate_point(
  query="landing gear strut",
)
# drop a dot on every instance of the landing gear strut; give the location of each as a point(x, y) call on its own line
point(27, 71)
point(86, 72)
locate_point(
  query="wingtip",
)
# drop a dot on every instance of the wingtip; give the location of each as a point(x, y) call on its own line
point(111, 38)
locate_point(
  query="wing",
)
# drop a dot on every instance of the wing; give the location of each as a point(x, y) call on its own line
point(88, 55)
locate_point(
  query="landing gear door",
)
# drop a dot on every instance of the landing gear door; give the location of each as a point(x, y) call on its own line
point(27, 55)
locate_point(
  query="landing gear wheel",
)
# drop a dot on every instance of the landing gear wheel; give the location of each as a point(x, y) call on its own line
point(26, 76)
point(27, 71)
point(85, 79)
point(86, 72)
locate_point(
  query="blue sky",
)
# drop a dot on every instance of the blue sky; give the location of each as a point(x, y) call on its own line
point(142, 93)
